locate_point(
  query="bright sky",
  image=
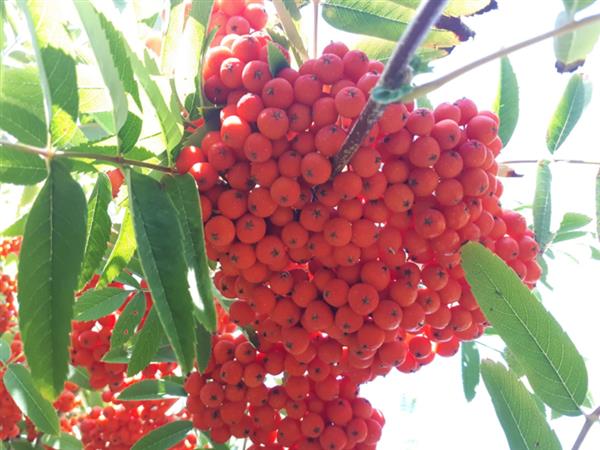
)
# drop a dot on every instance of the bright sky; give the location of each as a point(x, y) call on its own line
point(427, 410)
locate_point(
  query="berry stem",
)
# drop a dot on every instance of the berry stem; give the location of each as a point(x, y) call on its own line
point(590, 419)
point(49, 154)
point(435, 84)
point(535, 161)
point(396, 74)
point(315, 27)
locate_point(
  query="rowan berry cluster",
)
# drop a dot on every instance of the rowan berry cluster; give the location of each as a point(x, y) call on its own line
point(119, 426)
point(8, 246)
point(279, 401)
point(10, 414)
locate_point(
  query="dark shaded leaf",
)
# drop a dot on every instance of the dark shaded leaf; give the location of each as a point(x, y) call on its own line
point(470, 368)
point(17, 167)
point(121, 253)
point(98, 228)
point(146, 344)
point(203, 347)
point(51, 256)
point(164, 437)
point(163, 261)
point(130, 133)
point(19, 384)
point(63, 441)
point(128, 321)
point(277, 61)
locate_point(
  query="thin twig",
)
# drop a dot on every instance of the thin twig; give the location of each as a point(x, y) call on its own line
point(393, 77)
point(590, 419)
point(82, 155)
point(535, 161)
point(435, 84)
point(290, 30)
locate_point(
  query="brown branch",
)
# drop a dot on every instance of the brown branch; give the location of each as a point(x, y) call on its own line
point(589, 421)
point(49, 154)
point(426, 88)
point(396, 74)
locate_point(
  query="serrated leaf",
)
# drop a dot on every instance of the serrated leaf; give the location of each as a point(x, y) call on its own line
point(524, 425)
point(572, 49)
point(121, 253)
point(470, 368)
point(163, 261)
point(203, 348)
point(291, 28)
point(542, 205)
point(553, 366)
point(567, 236)
point(51, 256)
point(164, 437)
point(128, 321)
point(507, 101)
point(97, 303)
point(98, 228)
point(152, 390)
point(171, 40)
point(277, 60)
point(100, 38)
point(63, 441)
point(384, 19)
point(22, 105)
point(184, 194)
point(513, 363)
point(170, 121)
point(574, 100)
point(19, 384)
point(17, 167)
point(381, 49)
point(130, 133)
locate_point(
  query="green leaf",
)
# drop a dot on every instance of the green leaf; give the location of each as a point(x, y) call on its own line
point(291, 28)
point(574, 100)
point(63, 441)
point(97, 303)
point(170, 121)
point(171, 40)
point(572, 49)
point(146, 344)
point(595, 253)
point(513, 363)
point(121, 253)
point(568, 235)
point(17, 167)
point(470, 368)
point(152, 390)
point(384, 19)
point(4, 350)
point(100, 38)
point(98, 228)
point(130, 133)
point(164, 437)
point(507, 101)
point(51, 256)
point(163, 261)
point(79, 376)
point(542, 205)
point(277, 60)
point(203, 347)
point(184, 194)
point(20, 386)
point(573, 221)
point(524, 425)
point(128, 321)
point(22, 105)
point(572, 6)
point(381, 49)
point(554, 368)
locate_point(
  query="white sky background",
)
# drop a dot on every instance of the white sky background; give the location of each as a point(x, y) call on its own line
point(441, 417)
point(427, 410)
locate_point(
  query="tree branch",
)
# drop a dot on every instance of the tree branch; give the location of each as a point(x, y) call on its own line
point(535, 161)
point(396, 73)
point(435, 84)
point(589, 421)
point(82, 155)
